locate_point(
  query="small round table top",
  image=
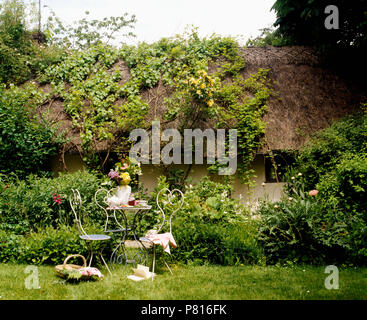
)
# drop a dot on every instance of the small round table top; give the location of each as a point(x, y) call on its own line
point(129, 208)
point(97, 237)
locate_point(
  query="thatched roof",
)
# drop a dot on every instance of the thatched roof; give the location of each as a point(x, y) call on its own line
point(309, 97)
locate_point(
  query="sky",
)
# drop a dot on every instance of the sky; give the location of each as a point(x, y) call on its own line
point(165, 18)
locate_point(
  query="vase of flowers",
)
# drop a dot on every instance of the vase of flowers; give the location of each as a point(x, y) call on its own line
point(124, 190)
point(122, 173)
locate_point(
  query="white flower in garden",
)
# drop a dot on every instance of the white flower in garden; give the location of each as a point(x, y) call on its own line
point(299, 174)
point(276, 207)
point(293, 178)
point(263, 184)
point(290, 198)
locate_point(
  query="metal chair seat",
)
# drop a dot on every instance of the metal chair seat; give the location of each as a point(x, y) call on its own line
point(95, 237)
point(117, 230)
point(145, 239)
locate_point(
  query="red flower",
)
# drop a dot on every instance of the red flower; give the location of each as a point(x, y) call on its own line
point(56, 198)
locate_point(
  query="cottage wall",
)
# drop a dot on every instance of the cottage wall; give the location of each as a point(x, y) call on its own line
point(241, 191)
point(151, 173)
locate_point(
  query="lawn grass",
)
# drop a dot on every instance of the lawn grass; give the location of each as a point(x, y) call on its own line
point(190, 282)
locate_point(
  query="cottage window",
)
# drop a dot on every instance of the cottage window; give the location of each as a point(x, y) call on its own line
point(276, 165)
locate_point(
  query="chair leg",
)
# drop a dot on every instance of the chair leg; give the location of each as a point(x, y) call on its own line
point(105, 264)
point(167, 266)
point(91, 258)
point(153, 262)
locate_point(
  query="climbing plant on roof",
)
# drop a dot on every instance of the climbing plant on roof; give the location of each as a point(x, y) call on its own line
point(203, 77)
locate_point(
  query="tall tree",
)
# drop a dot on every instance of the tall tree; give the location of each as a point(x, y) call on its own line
point(315, 22)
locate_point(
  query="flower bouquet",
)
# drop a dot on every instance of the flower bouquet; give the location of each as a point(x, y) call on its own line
point(124, 171)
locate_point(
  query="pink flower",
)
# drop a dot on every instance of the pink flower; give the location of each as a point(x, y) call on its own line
point(89, 271)
point(313, 193)
point(113, 174)
point(124, 166)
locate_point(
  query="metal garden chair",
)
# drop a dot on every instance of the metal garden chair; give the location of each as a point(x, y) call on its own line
point(76, 206)
point(100, 199)
point(166, 220)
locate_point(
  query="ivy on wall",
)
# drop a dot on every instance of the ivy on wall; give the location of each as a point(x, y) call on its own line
point(203, 77)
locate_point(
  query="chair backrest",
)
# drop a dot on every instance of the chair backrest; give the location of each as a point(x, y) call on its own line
point(76, 206)
point(163, 205)
point(100, 198)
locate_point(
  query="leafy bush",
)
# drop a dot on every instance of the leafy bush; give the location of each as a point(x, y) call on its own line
point(21, 58)
point(299, 228)
point(346, 185)
point(345, 189)
point(26, 141)
point(320, 156)
point(14, 42)
point(211, 227)
point(46, 246)
point(329, 227)
point(26, 205)
point(334, 163)
point(36, 221)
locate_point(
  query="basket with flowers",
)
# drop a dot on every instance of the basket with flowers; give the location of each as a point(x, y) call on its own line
point(72, 272)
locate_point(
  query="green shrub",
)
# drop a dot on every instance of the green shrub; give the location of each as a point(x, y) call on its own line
point(335, 163)
point(314, 229)
point(211, 227)
point(286, 229)
point(13, 67)
point(26, 141)
point(343, 138)
point(346, 185)
point(46, 246)
point(28, 204)
point(345, 188)
point(20, 56)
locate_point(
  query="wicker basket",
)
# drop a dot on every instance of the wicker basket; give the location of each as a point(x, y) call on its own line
point(67, 266)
